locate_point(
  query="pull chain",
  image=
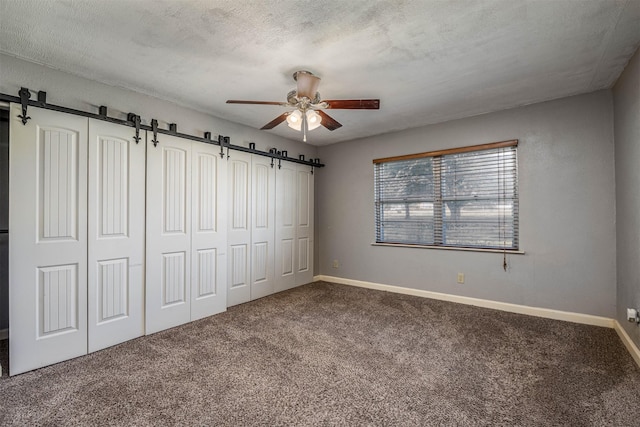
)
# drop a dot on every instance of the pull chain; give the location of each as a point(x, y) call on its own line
point(304, 126)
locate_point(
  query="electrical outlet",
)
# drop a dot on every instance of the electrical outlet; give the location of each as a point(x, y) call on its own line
point(460, 277)
point(336, 264)
point(633, 315)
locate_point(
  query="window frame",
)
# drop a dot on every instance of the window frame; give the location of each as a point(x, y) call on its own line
point(438, 220)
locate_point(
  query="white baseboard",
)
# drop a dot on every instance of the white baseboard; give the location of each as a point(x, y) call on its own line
point(586, 319)
point(628, 342)
point(567, 316)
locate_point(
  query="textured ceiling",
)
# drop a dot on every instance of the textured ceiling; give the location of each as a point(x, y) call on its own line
point(428, 61)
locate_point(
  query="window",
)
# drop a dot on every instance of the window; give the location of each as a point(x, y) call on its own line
point(464, 197)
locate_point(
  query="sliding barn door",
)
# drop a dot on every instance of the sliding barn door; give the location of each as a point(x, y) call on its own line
point(186, 232)
point(168, 278)
point(294, 226)
point(209, 232)
point(116, 235)
point(285, 226)
point(239, 229)
point(263, 195)
point(304, 225)
point(48, 239)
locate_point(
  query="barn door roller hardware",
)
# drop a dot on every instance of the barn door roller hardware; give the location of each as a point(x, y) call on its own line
point(135, 121)
point(25, 94)
point(154, 129)
point(221, 142)
point(272, 151)
point(24, 100)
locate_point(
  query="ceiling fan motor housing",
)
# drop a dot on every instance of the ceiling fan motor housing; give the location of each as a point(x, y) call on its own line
point(294, 100)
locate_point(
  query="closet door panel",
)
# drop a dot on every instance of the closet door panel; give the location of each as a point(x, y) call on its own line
point(262, 227)
point(116, 235)
point(304, 225)
point(168, 228)
point(239, 229)
point(48, 239)
point(285, 242)
point(209, 232)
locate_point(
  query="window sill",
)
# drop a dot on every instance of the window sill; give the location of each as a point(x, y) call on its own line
point(449, 248)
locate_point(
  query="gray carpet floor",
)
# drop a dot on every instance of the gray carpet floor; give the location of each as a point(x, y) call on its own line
point(327, 354)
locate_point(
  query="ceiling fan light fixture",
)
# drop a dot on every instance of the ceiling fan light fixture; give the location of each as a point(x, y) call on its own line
point(313, 120)
point(294, 120)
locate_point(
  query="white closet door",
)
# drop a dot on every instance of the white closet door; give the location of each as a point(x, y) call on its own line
point(263, 193)
point(116, 235)
point(168, 290)
point(304, 225)
point(209, 232)
point(239, 229)
point(48, 239)
point(285, 226)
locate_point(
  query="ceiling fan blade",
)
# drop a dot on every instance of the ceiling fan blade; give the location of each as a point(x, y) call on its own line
point(275, 122)
point(307, 84)
point(354, 104)
point(235, 101)
point(328, 121)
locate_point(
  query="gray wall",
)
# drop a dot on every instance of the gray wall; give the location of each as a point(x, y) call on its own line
point(626, 95)
point(566, 187)
point(567, 202)
point(82, 94)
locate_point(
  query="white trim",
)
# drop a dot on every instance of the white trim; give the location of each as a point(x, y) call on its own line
point(4, 334)
point(449, 248)
point(627, 341)
point(567, 316)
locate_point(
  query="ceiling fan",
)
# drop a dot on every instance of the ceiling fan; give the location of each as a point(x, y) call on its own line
point(307, 106)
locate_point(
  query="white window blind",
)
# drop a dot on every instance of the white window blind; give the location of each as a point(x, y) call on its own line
point(465, 197)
